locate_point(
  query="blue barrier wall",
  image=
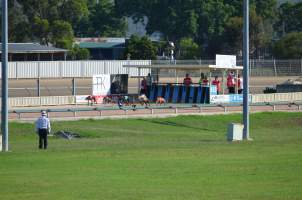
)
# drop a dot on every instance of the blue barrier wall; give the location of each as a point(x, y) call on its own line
point(181, 93)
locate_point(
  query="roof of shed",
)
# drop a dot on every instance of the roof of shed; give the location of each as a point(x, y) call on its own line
point(32, 48)
point(101, 45)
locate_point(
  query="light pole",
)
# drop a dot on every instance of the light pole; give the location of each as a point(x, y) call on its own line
point(246, 119)
point(4, 111)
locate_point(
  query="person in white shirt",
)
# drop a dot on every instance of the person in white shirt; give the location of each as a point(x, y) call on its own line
point(42, 129)
point(240, 84)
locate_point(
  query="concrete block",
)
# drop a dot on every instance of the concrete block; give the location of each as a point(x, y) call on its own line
point(235, 132)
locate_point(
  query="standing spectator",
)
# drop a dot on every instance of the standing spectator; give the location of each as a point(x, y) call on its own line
point(205, 81)
point(149, 84)
point(187, 80)
point(143, 86)
point(201, 78)
point(43, 128)
point(240, 84)
point(217, 83)
point(231, 83)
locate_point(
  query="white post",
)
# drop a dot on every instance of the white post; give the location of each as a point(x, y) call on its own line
point(139, 80)
point(275, 68)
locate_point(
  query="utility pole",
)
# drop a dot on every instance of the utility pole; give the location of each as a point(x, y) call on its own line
point(246, 119)
point(4, 110)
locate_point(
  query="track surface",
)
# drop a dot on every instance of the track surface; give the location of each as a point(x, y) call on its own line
point(63, 87)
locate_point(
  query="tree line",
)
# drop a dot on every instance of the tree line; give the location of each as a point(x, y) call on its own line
point(198, 28)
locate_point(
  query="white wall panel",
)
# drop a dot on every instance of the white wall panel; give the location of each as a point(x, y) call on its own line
point(94, 67)
point(12, 70)
point(27, 70)
point(58, 69)
point(50, 69)
point(72, 68)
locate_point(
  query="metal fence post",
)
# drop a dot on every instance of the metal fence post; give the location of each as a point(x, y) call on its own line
point(39, 70)
point(82, 69)
point(275, 68)
point(301, 65)
point(290, 67)
point(17, 70)
point(73, 87)
point(38, 87)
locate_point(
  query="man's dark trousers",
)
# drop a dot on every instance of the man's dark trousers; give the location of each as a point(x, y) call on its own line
point(43, 138)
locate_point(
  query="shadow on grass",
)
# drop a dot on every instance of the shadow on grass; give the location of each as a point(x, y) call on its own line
point(169, 123)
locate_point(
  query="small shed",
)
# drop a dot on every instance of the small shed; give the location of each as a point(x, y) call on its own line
point(34, 52)
point(104, 50)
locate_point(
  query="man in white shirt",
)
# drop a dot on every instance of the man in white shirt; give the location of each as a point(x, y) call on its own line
point(240, 84)
point(43, 128)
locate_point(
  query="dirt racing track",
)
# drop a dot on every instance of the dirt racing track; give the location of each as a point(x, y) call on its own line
point(63, 87)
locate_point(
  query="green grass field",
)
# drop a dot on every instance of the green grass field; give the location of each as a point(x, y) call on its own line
point(185, 157)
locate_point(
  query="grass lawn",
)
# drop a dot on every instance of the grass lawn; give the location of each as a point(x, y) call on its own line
point(185, 157)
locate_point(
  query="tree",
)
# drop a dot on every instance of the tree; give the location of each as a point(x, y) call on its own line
point(77, 53)
point(41, 30)
point(62, 34)
point(105, 21)
point(290, 16)
point(289, 47)
point(140, 48)
point(18, 28)
point(73, 11)
point(188, 49)
point(213, 16)
point(234, 33)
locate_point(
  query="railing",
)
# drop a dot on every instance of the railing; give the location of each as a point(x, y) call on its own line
point(72, 100)
point(174, 108)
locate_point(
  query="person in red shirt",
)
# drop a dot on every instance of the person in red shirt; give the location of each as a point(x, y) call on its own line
point(205, 81)
point(217, 83)
point(187, 80)
point(231, 83)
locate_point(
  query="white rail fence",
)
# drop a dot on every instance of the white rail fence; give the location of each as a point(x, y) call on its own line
point(70, 69)
point(69, 100)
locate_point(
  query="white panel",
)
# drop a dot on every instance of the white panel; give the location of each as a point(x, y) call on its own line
point(297, 96)
point(49, 69)
point(12, 70)
point(101, 84)
point(58, 69)
point(112, 67)
point(37, 101)
point(94, 67)
point(225, 61)
point(261, 98)
point(71, 69)
point(27, 69)
point(283, 96)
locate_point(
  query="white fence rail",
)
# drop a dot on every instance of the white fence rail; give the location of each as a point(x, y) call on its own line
point(277, 97)
point(68, 100)
point(69, 69)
